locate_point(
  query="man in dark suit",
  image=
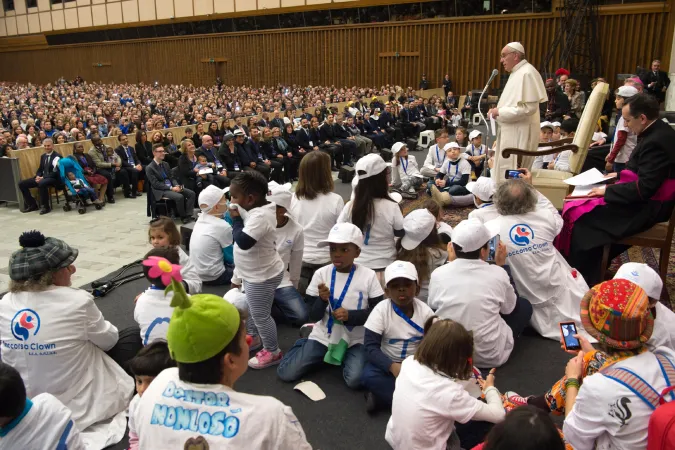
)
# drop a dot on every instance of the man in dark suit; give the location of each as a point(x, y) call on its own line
point(424, 84)
point(656, 81)
point(131, 164)
point(303, 138)
point(46, 176)
point(410, 122)
point(219, 172)
point(250, 154)
point(447, 84)
point(557, 106)
point(162, 185)
point(331, 134)
point(278, 121)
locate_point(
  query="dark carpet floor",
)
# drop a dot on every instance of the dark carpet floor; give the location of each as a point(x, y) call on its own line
point(340, 421)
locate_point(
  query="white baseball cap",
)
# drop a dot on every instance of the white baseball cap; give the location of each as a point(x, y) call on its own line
point(444, 228)
point(397, 148)
point(474, 134)
point(239, 132)
point(556, 124)
point(280, 194)
point(642, 275)
point(471, 234)
point(626, 91)
point(370, 165)
point(483, 188)
point(546, 124)
point(343, 233)
point(450, 145)
point(417, 225)
point(210, 197)
point(400, 269)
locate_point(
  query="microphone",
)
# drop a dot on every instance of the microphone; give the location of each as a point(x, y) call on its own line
point(494, 73)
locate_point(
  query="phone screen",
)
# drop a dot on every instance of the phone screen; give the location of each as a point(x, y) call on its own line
point(493, 244)
point(511, 174)
point(569, 329)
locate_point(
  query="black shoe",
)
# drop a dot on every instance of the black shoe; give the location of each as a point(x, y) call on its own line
point(186, 219)
point(334, 169)
point(138, 194)
point(30, 209)
point(371, 403)
point(111, 200)
point(45, 211)
point(350, 164)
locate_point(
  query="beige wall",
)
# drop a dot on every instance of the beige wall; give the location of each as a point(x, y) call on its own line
point(91, 13)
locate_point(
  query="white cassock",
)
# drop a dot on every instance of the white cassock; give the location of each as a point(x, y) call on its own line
point(518, 115)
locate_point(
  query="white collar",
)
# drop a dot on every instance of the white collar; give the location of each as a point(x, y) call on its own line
point(519, 65)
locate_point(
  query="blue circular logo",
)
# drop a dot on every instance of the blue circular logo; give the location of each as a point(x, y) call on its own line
point(521, 234)
point(26, 323)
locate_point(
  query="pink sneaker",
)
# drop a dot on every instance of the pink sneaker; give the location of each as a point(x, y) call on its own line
point(515, 398)
point(264, 358)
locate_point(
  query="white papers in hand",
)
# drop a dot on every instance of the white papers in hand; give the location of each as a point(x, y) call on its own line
point(580, 191)
point(493, 126)
point(205, 171)
point(592, 176)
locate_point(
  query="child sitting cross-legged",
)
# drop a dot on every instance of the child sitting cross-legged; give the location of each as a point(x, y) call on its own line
point(195, 404)
point(453, 177)
point(41, 422)
point(153, 309)
point(343, 294)
point(145, 366)
point(430, 395)
point(393, 331)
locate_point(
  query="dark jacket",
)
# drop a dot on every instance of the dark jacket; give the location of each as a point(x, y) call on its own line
point(144, 152)
point(46, 168)
point(329, 132)
point(211, 155)
point(661, 79)
point(232, 161)
point(302, 138)
point(247, 153)
point(386, 120)
point(185, 170)
point(122, 153)
point(558, 105)
point(155, 174)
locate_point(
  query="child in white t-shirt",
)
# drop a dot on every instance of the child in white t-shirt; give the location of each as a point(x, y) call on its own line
point(153, 310)
point(393, 331)
point(257, 261)
point(430, 397)
point(195, 404)
point(436, 154)
point(41, 422)
point(164, 233)
point(545, 135)
point(145, 366)
point(476, 152)
point(453, 177)
point(421, 246)
point(374, 213)
point(406, 176)
point(343, 294)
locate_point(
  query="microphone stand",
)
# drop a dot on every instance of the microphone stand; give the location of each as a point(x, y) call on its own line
point(487, 127)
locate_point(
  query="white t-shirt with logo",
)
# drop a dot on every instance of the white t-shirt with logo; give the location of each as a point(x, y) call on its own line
point(607, 415)
point(364, 285)
point(47, 425)
point(152, 312)
point(475, 293)
point(453, 172)
point(426, 406)
point(173, 414)
point(399, 338)
point(316, 217)
point(210, 236)
point(262, 261)
point(379, 246)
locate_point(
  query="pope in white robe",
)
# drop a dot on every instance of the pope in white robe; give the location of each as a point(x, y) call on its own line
point(517, 111)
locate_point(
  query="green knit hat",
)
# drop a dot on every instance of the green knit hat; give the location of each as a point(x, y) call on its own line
point(201, 325)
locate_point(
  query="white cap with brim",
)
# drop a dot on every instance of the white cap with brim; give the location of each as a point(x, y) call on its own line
point(474, 134)
point(417, 226)
point(239, 132)
point(343, 233)
point(280, 194)
point(444, 228)
point(642, 275)
point(626, 91)
point(450, 145)
point(210, 197)
point(517, 46)
point(483, 188)
point(400, 269)
point(471, 235)
point(556, 124)
point(397, 148)
point(546, 124)
point(369, 166)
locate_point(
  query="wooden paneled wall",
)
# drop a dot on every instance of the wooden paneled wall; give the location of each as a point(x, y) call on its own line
point(467, 48)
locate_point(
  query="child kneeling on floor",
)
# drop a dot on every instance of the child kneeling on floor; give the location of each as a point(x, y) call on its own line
point(393, 331)
point(195, 405)
point(430, 395)
point(145, 366)
point(354, 291)
point(40, 422)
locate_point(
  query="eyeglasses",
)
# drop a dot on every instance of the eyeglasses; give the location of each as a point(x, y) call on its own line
point(504, 55)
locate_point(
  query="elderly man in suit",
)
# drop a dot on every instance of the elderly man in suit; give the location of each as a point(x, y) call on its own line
point(130, 163)
point(112, 171)
point(163, 185)
point(656, 81)
point(46, 176)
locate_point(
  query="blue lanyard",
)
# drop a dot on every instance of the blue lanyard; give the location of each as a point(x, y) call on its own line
point(438, 157)
point(486, 204)
point(334, 305)
point(408, 320)
point(404, 164)
point(155, 288)
point(84, 161)
point(456, 169)
point(166, 177)
point(480, 150)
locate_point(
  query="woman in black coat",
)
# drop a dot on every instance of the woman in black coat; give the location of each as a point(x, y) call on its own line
point(187, 175)
point(143, 148)
point(229, 156)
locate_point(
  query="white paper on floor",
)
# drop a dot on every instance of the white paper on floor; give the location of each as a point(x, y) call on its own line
point(311, 390)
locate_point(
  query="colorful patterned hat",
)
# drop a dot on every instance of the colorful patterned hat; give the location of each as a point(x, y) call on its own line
point(617, 314)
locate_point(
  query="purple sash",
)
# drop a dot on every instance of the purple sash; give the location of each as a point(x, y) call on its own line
point(574, 209)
